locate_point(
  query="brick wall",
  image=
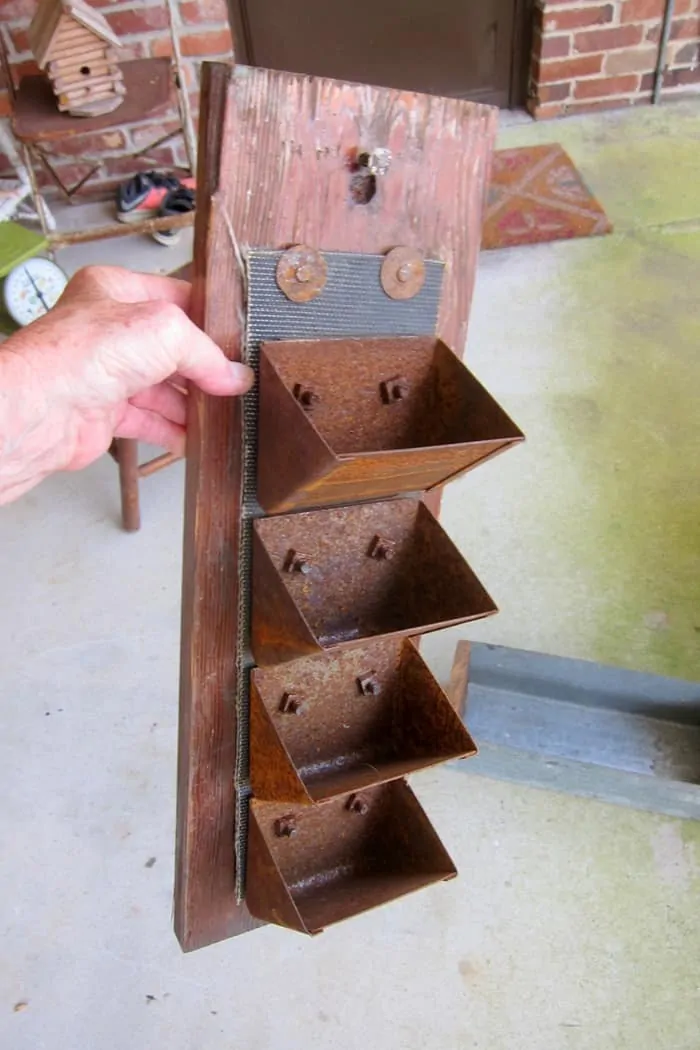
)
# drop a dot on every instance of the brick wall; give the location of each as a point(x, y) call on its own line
point(601, 54)
point(143, 27)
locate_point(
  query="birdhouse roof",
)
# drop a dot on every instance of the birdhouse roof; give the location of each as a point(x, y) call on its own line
point(47, 21)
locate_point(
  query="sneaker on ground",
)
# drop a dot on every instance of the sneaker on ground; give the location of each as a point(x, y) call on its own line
point(142, 196)
point(178, 202)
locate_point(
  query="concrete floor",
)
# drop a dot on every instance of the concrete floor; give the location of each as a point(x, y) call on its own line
point(573, 924)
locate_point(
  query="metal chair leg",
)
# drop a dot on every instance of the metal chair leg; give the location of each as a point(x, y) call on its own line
point(127, 451)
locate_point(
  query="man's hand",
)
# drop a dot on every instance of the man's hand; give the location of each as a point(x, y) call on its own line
point(110, 360)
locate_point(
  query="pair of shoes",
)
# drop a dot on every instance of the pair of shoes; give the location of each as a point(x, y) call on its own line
point(151, 194)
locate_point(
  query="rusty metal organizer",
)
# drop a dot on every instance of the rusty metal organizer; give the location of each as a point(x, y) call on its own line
point(335, 705)
point(336, 238)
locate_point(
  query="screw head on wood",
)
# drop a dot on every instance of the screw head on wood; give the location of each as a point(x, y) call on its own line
point(368, 684)
point(295, 561)
point(381, 548)
point(301, 273)
point(394, 389)
point(358, 804)
point(285, 827)
point(376, 161)
point(403, 273)
point(292, 704)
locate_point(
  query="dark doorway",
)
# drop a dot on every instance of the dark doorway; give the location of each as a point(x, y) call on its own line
point(474, 49)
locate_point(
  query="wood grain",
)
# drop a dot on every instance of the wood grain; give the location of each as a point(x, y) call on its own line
point(275, 154)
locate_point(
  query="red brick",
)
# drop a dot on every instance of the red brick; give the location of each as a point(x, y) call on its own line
point(686, 28)
point(11, 10)
point(20, 39)
point(575, 17)
point(641, 10)
point(126, 166)
point(217, 42)
point(552, 109)
point(195, 12)
point(86, 145)
point(161, 47)
point(608, 39)
point(553, 92)
point(606, 86)
point(142, 20)
point(5, 107)
point(135, 49)
point(147, 133)
point(25, 69)
point(555, 46)
point(570, 68)
point(677, 77)
point(69, 174)
point(681, 29)
point(631, 60)
point(687, 55)
point(595, 106)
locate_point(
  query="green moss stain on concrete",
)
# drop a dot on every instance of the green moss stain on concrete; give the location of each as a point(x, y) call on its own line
point(630, 328)
point(648, 875)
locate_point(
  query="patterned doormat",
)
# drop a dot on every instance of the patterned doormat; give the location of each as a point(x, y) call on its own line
point(535, 195)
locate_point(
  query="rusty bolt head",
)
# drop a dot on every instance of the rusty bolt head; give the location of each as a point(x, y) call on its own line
point(285, 827)
point(381, 548)
point(301, 273)
point(358, 804)
point(292, 704)
point(306, 398)
point(403, 273)
point(368, 684)
point(394, 389)
point(295, 561)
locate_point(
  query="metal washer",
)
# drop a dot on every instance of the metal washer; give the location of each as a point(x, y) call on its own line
point(302, 273)
point(403, 273)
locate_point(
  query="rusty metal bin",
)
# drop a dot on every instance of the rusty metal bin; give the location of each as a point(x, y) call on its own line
point(328, 579)
point(312, 866)
point(326, 725)
point(349, 419)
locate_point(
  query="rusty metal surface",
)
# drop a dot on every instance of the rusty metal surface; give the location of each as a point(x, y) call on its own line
point(347, 595)
point(312, 866)
point(378, 417)
point(302, 273)
point(332, 724)
point(403, 273)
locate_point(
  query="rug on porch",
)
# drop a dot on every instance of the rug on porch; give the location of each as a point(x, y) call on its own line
point(535, 195)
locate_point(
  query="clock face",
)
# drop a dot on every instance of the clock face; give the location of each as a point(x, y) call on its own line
point(32, 288)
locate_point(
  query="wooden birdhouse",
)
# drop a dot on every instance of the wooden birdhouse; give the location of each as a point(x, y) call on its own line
point(76, 47)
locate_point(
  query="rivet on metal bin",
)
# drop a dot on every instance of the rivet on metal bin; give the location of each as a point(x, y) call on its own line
point(358, 804)
point(295, 561)
point(394, 389)
point(368, 684)
point(306, 398)
point(381, 548)
point(292, 704)
point(285, 827)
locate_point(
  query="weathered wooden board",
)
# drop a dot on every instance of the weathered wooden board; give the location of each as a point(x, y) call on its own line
point(275, 159)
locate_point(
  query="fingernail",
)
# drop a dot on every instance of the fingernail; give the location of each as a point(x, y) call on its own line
point(242, 374)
